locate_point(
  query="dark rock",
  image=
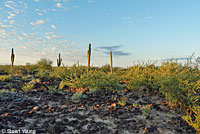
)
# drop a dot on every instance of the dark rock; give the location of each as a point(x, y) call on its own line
point(151, 129)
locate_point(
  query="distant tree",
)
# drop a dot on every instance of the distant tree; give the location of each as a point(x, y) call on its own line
point(45, 63)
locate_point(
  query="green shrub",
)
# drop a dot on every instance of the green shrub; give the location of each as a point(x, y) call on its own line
point(53, 88)
point(43, 74)
point(2, 91)
point(78, 96)
point(5, 69)
point(43, 68)
point(58, 73)
point(28, 86)
point(5, 78)
point(44, 63)
point(193, 117)
point(94, 91)
point(103, 81)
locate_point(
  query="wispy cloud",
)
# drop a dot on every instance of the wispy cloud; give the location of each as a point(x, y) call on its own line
point(38, 22)
point(76, 6)
point(58, 5)
point(119, 53)
point(181, 58)
point(110, 48)
point(129, 20)
point(133, 20)
point(114, 49)
point(53, 26)
point(90, 1)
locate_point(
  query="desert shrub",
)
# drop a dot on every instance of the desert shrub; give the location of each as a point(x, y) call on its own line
point(105, 68)
point(4, 69)
point(28, 86)
point(58, 72)
point(98, 80)
point(43, 74)
point(142, 75)
point(4, 78)
point(94, 91)
point(12, 89)
point(193, 117)
point(103, 81)
point(44, 63)
point(53, 88)
point(31, 68)
point(44, 67)
point(123, 101)
point(2, 92)
point(78, 96)
point(26, 78)
point(74, 77)
point(17, 70)
point(179, 84)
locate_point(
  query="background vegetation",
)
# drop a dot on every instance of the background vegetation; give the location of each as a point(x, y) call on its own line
point(179, 84)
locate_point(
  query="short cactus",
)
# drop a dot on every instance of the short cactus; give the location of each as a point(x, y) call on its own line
point(12, 57)
point(59, 60)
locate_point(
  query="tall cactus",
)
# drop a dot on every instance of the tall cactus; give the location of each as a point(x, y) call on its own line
point(59, 60)
point(89, 55)
point(12, 57)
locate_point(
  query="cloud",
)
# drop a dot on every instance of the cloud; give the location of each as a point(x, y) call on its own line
point(11, 15)
point(39, 14)
point(12, 21)
point(76, 6)
point(8, 6)
point(118, 53)
point(90, 1)
point(129, 20)
point(132, 20)
point(53, 26)
point(110, 48)
point(58, 5)
point(169, 59)
point(114, 49)
point(5, 26)
point(38, 22)
point(36, 0)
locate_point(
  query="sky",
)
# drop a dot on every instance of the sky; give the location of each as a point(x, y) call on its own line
point(134, 30)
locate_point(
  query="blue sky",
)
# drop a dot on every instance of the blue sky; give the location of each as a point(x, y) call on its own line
point(133, 29)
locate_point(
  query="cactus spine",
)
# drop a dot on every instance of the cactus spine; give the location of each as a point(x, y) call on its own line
point(59, 60)
point(89, 55)
point(12, 57)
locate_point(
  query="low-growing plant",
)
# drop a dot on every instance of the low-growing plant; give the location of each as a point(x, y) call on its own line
point(43, 74)
point(193, 117)
point(58, 73)
point(123, 101)
point(53, 88)
point(44, 63)
point(146, 111)
point(95, 91)
point(2, 91)
point(26, 78)
point(5, 78)
point(13, 90)
point(4, 69)
point(78, 96)
point(134, 105)
point(105, 82)
point(28, 86)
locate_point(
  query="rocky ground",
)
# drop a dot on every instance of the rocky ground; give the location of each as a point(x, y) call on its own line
point(55, 112)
